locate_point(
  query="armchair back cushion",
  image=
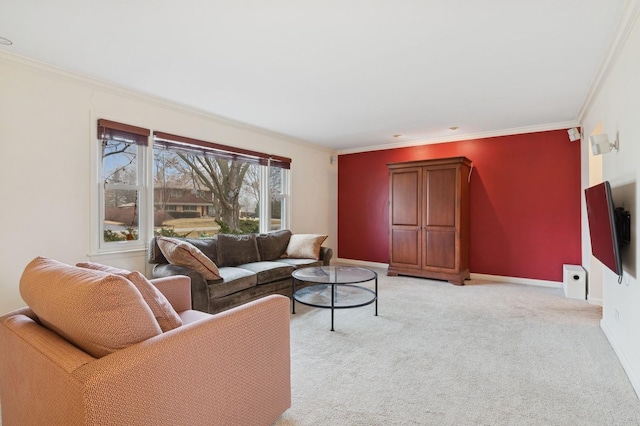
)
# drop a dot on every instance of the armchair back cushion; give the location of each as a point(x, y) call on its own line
point(98, 312)
point(167, 317)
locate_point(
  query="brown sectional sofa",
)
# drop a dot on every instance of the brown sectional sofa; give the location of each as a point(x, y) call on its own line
point(251, 266)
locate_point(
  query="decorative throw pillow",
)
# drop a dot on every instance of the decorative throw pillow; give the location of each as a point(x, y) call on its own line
point(167, 317)
point(305, 246)
point(236, 250)
point(182, 253)
point(96, 311)
point(273, 245)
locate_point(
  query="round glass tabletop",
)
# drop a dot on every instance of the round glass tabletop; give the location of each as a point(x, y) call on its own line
point(334, 274)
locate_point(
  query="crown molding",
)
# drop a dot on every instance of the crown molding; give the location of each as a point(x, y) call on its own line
point(625, 25)
point(53, 71)
point(465, 137)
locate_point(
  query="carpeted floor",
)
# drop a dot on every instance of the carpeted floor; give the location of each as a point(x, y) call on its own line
point(437, 354)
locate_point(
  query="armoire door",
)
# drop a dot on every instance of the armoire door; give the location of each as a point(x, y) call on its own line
point(405, 198)
point(440, 216)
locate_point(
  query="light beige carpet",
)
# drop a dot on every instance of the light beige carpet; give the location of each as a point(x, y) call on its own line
point(437, 354)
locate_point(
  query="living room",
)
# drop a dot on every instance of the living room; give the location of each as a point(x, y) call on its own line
point(48, 117)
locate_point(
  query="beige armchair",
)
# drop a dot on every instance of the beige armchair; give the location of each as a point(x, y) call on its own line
point(232, 368)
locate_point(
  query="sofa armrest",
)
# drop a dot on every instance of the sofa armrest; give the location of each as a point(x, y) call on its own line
point(325, 255)
point(231, 368)
point(199, 287)
point(177, 290)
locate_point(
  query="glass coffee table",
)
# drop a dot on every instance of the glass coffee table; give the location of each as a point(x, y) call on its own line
point(334, 288)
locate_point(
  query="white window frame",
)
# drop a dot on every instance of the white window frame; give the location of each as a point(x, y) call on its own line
point(265, 194)
point(98, 244)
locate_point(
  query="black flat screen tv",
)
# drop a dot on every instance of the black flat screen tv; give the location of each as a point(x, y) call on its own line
point(601, 214)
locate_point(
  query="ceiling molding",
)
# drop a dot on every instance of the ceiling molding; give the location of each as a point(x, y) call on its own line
point(465, 137)
point(627, 21)
point(33, 65)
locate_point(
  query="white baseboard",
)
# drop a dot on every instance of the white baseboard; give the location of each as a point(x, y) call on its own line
point(633, 377)
point(516, 280)
point(594, 300)
point(362, 263)
point(485, 277)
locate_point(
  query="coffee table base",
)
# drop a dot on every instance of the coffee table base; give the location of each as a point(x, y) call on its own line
point(334, 288)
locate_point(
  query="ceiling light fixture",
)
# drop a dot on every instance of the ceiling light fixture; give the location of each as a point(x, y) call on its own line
point(453, 128)
point(5, 41)
point(397, 136)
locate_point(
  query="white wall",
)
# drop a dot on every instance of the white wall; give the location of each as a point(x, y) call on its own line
point(46, 122)
point(616, 108)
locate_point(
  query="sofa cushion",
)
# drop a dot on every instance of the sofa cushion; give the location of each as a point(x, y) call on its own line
point(305, 246)
point(273, 244)
point(235, 279)
point(208, 247)
point(96, 311)
point(167, 317)
point(236, 250)
point(300, 263)
point(183, 253)
point(268, 272)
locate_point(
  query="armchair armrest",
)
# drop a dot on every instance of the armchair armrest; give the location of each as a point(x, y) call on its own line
point(177, 290)
point(199, 287)
point(231, 368)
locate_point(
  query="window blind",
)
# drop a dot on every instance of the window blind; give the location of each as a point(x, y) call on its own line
point(182, 143)
point(113, 130)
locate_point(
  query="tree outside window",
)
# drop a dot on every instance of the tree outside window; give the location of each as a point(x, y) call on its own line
point(227, 193)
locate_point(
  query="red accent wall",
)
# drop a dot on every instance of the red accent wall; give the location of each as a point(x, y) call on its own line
point(525, 202)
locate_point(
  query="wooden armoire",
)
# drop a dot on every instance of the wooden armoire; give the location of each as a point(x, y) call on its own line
point(429, 219)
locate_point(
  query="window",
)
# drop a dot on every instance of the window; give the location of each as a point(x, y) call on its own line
point(279, 200)
point(194, 188)
point(237, 191)
point(122, 180)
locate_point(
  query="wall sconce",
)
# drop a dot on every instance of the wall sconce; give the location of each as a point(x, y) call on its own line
point(574, 134)
point(600, 144)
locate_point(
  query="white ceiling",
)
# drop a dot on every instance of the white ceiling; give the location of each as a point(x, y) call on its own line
point(339, 73)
